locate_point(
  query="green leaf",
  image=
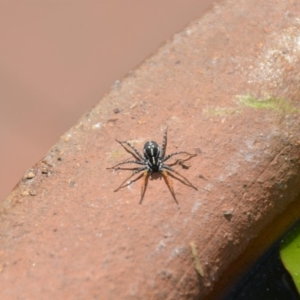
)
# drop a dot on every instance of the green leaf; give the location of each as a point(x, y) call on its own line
point(290, 254)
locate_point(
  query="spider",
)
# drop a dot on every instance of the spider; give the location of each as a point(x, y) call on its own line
point(153, 161)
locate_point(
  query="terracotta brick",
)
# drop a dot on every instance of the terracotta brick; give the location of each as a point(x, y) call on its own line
point(227, 88)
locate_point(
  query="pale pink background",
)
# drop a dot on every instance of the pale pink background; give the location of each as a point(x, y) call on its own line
point(57, 58)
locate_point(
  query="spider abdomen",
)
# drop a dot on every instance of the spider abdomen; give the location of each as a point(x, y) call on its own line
point(152, 153)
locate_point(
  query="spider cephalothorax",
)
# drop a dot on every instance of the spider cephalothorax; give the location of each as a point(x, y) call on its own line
point(152, 162)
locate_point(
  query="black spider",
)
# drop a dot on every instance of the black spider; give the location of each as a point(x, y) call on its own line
point(153, 161)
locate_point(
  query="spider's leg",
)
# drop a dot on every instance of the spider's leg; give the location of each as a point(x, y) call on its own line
point(132, 148)
point(130, 182)
point(133, 173)
point(127, 162)
point(164, 144)
point(181, 161)
point(169, 183)
point(186, 180)
point(176, 153)
point(144, 184)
